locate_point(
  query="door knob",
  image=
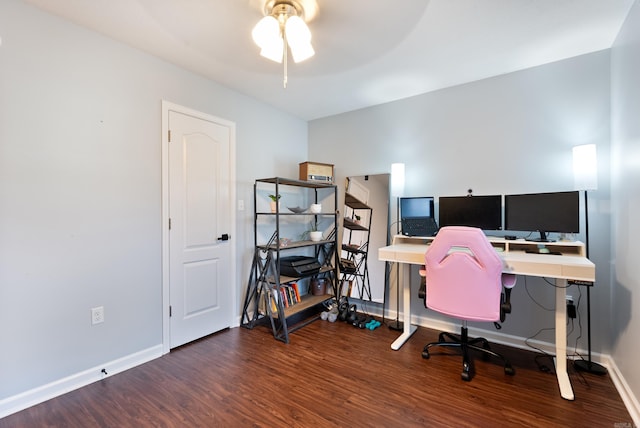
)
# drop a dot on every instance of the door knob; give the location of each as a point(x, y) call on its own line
point(224, 237)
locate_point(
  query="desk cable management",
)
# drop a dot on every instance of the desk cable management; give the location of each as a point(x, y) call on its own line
point(543, 354)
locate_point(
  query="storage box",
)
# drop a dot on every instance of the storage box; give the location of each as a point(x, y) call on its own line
point(318, 172)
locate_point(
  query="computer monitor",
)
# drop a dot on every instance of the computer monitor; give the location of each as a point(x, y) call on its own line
point(543, 213)
point(484, 212)
point(416, 207)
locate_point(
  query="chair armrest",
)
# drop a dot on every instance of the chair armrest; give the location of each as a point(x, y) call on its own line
point(508, 280)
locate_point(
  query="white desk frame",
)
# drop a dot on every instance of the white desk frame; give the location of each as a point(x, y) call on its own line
point(571, 265)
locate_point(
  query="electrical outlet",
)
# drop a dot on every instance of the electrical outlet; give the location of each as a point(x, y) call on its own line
point(569, 298)
point(97, 315)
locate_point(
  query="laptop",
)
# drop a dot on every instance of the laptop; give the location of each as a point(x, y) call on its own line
point(416, 214)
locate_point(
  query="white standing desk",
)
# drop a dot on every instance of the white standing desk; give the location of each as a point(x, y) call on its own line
point(571, 265)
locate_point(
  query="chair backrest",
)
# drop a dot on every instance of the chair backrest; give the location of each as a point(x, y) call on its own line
point(463, 275)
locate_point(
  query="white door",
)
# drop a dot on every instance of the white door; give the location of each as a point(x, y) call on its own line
point(199, 205)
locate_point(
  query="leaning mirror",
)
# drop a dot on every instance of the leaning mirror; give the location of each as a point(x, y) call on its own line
point(366, 226)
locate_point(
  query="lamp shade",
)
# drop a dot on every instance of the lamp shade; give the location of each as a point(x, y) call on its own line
point(397, 179)
point(273, 51)
point(298, 38)
point(267, 35)
point(585, 167)
point(266, 31)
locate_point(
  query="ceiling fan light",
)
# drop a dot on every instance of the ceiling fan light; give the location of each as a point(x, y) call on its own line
point(300, 52)
point(297, 30)
point(298, 38)
point(266, 31)
point(282, 29)
point(273, 51)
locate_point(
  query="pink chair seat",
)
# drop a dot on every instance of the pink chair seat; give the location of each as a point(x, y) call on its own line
point(464, 280)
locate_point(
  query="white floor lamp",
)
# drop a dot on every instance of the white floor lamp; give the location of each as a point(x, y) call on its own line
point(397, 190)
point(585, 174)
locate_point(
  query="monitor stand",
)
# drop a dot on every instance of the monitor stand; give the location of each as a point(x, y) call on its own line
point(542, 238)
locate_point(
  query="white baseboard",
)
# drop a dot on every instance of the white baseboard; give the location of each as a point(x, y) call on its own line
point(43, 393)
point(629, 399)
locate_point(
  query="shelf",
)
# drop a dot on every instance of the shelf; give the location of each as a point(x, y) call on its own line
point(566, 248)
point(297, 183)
point(287, 279)
point(353, 249)
point(308, 300)
point(348, 267)
point(353, 202)
point(288, 213)
point(295, 244)
point(502, 245)
point(350, 224)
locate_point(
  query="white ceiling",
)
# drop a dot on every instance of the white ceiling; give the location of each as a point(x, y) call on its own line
point(368, 52)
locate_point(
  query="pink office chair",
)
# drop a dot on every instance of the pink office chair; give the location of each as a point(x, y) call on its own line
point(464, 280)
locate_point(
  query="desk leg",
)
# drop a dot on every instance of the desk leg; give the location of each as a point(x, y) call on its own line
point(408, 329)
point(566, 391)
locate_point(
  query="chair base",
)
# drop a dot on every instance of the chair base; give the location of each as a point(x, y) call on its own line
point(465, 344)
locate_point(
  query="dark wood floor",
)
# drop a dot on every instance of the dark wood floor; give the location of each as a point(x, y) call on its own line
point(331, 374)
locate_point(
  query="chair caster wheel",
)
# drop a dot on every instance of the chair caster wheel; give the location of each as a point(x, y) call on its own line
point(425, 354)
point(508, 370)
point(466, 376)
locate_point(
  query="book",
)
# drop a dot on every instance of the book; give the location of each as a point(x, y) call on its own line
point(274, 301)
point(297, 291)
point(283, 295)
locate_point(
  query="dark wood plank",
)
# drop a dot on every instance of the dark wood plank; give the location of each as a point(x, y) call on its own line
point(331, 374)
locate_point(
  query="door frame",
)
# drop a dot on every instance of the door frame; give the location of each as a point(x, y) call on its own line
point(166, 108)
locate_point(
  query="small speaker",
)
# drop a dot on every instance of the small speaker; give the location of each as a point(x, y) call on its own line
point(317, 172)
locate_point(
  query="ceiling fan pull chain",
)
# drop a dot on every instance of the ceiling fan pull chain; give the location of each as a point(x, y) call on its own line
point(286, 54)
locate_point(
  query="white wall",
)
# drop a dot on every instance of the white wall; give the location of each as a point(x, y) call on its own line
point(625, 204)
point(80, 191)
point(509, 134)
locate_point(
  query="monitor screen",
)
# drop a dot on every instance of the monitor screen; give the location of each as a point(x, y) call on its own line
point(416, 207)
point(543, 212)
point(484, 212)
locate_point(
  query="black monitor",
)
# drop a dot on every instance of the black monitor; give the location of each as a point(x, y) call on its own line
point(484, 212)
point(416, 207)
point(543, 213)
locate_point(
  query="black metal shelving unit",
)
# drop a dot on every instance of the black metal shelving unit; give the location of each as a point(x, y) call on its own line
point(264, 303)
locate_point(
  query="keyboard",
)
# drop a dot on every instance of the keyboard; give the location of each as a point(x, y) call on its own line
point(419, 226)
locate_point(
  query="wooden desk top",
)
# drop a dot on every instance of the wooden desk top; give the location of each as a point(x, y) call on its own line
point(572, 264)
